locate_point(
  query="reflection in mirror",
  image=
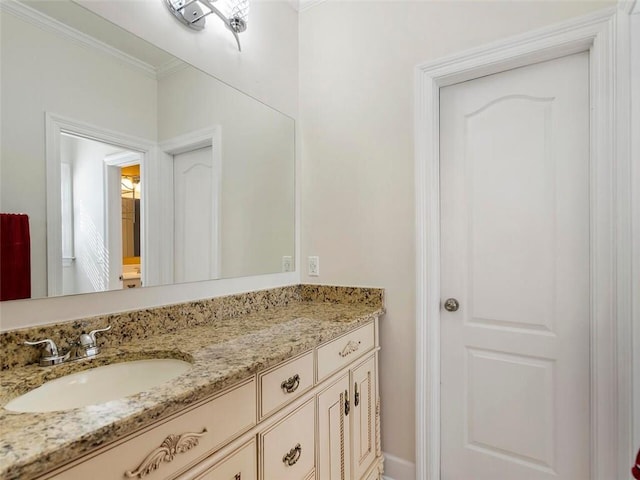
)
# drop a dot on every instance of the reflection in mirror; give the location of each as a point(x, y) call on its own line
point(133, 167)
point(100, 190)
point(130, 184)
point(131, 222)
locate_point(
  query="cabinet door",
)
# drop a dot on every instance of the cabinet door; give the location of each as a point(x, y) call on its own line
point(334, 453)
point(363, 382)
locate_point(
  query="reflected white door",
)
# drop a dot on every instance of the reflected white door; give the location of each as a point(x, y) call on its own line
point(196, 241)
point(515, 254)
point(114, 225)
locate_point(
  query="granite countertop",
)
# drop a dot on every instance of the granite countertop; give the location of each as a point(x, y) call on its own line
point(223, 352)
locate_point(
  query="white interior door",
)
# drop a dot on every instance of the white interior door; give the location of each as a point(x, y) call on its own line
point(515, 254)
point(195, 223)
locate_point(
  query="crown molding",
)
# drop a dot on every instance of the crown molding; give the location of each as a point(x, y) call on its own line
point(39, 19)
point(169, 68)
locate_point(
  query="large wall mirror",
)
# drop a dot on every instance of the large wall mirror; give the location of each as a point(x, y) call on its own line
point(130, 167)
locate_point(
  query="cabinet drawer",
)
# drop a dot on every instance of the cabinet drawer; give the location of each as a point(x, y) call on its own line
point(285, 383)
point(340, 352)
point(240, 465)
point(172, 445)
point(132, 283)
point(288, 448)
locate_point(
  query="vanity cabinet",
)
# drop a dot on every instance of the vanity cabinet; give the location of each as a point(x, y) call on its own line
point(312, 417)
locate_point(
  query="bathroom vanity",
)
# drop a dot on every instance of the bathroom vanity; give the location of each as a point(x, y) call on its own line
point(283, 385)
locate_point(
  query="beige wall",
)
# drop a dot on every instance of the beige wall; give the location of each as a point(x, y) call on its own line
point(356, 115)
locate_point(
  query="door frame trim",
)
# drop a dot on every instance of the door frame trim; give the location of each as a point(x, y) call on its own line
point(206, 137)
point(605, 35)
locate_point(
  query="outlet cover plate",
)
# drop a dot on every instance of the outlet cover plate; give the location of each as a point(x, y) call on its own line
point(314, 266)
point(287, 263)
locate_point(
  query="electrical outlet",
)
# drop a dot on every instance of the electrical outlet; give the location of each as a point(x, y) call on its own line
point(314, 266)
point(287, 263)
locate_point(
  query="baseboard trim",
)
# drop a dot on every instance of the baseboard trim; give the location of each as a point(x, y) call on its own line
point(396, 468)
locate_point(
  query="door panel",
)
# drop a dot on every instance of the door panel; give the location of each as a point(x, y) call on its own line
point(515, 253)
point(527, 383)
point(518, 209)
point(334, 452)
point(363, 434)
point(195, 233)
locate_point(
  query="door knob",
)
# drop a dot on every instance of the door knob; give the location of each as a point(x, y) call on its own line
point(451, 305)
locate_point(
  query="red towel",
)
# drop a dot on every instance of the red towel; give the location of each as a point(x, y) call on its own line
point(635, 471)
point(15, 257)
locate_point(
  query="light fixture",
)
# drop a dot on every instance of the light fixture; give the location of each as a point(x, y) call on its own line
point(192, 13)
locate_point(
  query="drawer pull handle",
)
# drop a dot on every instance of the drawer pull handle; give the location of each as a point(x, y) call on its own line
point(291, 385)
point(293, 456)
point(166, 452)
point(349, 348)
point(347, 405)
point(356, 396)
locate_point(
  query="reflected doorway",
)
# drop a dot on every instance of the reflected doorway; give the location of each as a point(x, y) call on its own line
point(100, 193)
point(131, 208)
point(196, 239)
point(194, 164)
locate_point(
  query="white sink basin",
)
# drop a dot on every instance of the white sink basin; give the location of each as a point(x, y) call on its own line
point(98, 385)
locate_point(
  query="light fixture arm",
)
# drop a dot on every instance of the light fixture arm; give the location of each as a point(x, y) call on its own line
point(226, 21)
point(192, 14)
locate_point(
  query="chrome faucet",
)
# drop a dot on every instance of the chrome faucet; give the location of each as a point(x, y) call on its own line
point(50, 353)
point(85, 347)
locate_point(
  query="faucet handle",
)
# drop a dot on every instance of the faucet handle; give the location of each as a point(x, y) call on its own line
point(89, 339)
point(50, 354)
point(92, 333)
point(49, 345)
point(89, 347)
